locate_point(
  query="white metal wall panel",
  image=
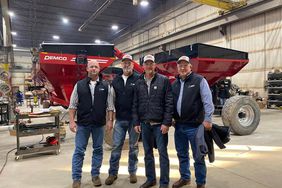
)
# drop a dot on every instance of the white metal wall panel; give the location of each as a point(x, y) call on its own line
point(185, 41)
point(181, 20)
point(211, 37)
point(205, 13)
point(273, 39)
point(191, 19)
point(257, 61)
point(260, 35)
point(135, 40)
point(154, 32)
point(246, 80)
point(170, 25)
point(273, 59)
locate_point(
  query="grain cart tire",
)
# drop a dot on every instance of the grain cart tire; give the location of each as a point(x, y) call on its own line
point(242, 114)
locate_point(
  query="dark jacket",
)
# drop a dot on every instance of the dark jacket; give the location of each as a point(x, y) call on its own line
point(124, 96)
point(156, 107)
point(218, 134)
point(192, 110)
point(88, 113)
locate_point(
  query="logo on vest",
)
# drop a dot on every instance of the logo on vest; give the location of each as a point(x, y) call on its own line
point(101, 89)
point(191, 86)
point(155, 87)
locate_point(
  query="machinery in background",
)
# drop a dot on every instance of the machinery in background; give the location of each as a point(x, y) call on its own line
point(62, 65)
point(224, 5)
point(240, 111)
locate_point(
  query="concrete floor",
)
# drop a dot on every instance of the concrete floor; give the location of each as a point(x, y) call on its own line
point(252, 161)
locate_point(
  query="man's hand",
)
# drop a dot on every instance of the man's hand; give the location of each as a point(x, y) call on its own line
point(137, 129)
point(164, 129)
point(207, 125)
point(73, 126)
point(110, 125)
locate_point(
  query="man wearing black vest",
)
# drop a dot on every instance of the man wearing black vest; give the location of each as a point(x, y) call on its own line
point(193, 106)
point(90, 99)
point(152, 115)
point(123, 96)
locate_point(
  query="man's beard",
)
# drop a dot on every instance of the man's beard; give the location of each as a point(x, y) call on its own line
point(149, 71)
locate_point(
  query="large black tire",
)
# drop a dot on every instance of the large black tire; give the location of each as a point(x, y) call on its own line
point(241, 114)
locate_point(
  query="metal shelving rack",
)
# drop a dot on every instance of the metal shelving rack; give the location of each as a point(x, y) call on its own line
point(44, 128)
point(274, 89)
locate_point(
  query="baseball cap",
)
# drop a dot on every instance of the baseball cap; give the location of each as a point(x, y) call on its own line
point(149, 58)
point(127, 56)
point(184, 58)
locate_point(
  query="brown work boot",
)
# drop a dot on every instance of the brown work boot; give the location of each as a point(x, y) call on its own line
point(132, 178)
point(181, 182)
point(110, 179)
point(96, 181)
point(76, 184)
point(148, 184)
point(201, 186)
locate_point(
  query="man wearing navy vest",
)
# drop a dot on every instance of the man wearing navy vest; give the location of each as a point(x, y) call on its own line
point(152, 115)
point(123, 96)
point(193, 106)
point(91, 99)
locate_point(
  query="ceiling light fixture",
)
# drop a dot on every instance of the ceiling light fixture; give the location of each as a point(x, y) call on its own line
point(65, 20)
point(14, 33)
point(11, 13)
point(144, 3)
point(97, 41)
point(56, 37)
point(114, 27)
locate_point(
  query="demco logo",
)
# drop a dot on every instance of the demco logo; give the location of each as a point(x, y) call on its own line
point(47, 57)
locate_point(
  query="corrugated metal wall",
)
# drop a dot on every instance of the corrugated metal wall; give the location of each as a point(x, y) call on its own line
point(260, 36)
point(22, 59)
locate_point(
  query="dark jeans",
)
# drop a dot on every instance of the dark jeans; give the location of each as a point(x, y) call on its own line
point(182, 136)
point(149, 133)
point(120, 129)
point(81, 141)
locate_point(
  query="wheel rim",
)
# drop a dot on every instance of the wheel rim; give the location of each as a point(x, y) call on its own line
point(246, 115)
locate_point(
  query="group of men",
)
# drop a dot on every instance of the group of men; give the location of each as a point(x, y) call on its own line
point(146, 104)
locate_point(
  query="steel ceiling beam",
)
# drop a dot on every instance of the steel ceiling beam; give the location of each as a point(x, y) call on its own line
point(100, 10)
point(238, 14)
point(223, 4)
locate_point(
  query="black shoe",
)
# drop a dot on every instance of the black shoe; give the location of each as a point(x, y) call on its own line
point(148, 184)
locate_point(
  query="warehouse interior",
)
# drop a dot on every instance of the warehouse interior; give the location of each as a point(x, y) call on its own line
point(32, 93)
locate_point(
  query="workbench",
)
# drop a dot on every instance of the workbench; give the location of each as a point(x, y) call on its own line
point(37, 129)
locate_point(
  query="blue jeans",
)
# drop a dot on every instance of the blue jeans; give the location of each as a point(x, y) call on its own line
point(182, 136)
point(81, 141)
point(120, 129)
point(149, 133)
point(222, 101)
